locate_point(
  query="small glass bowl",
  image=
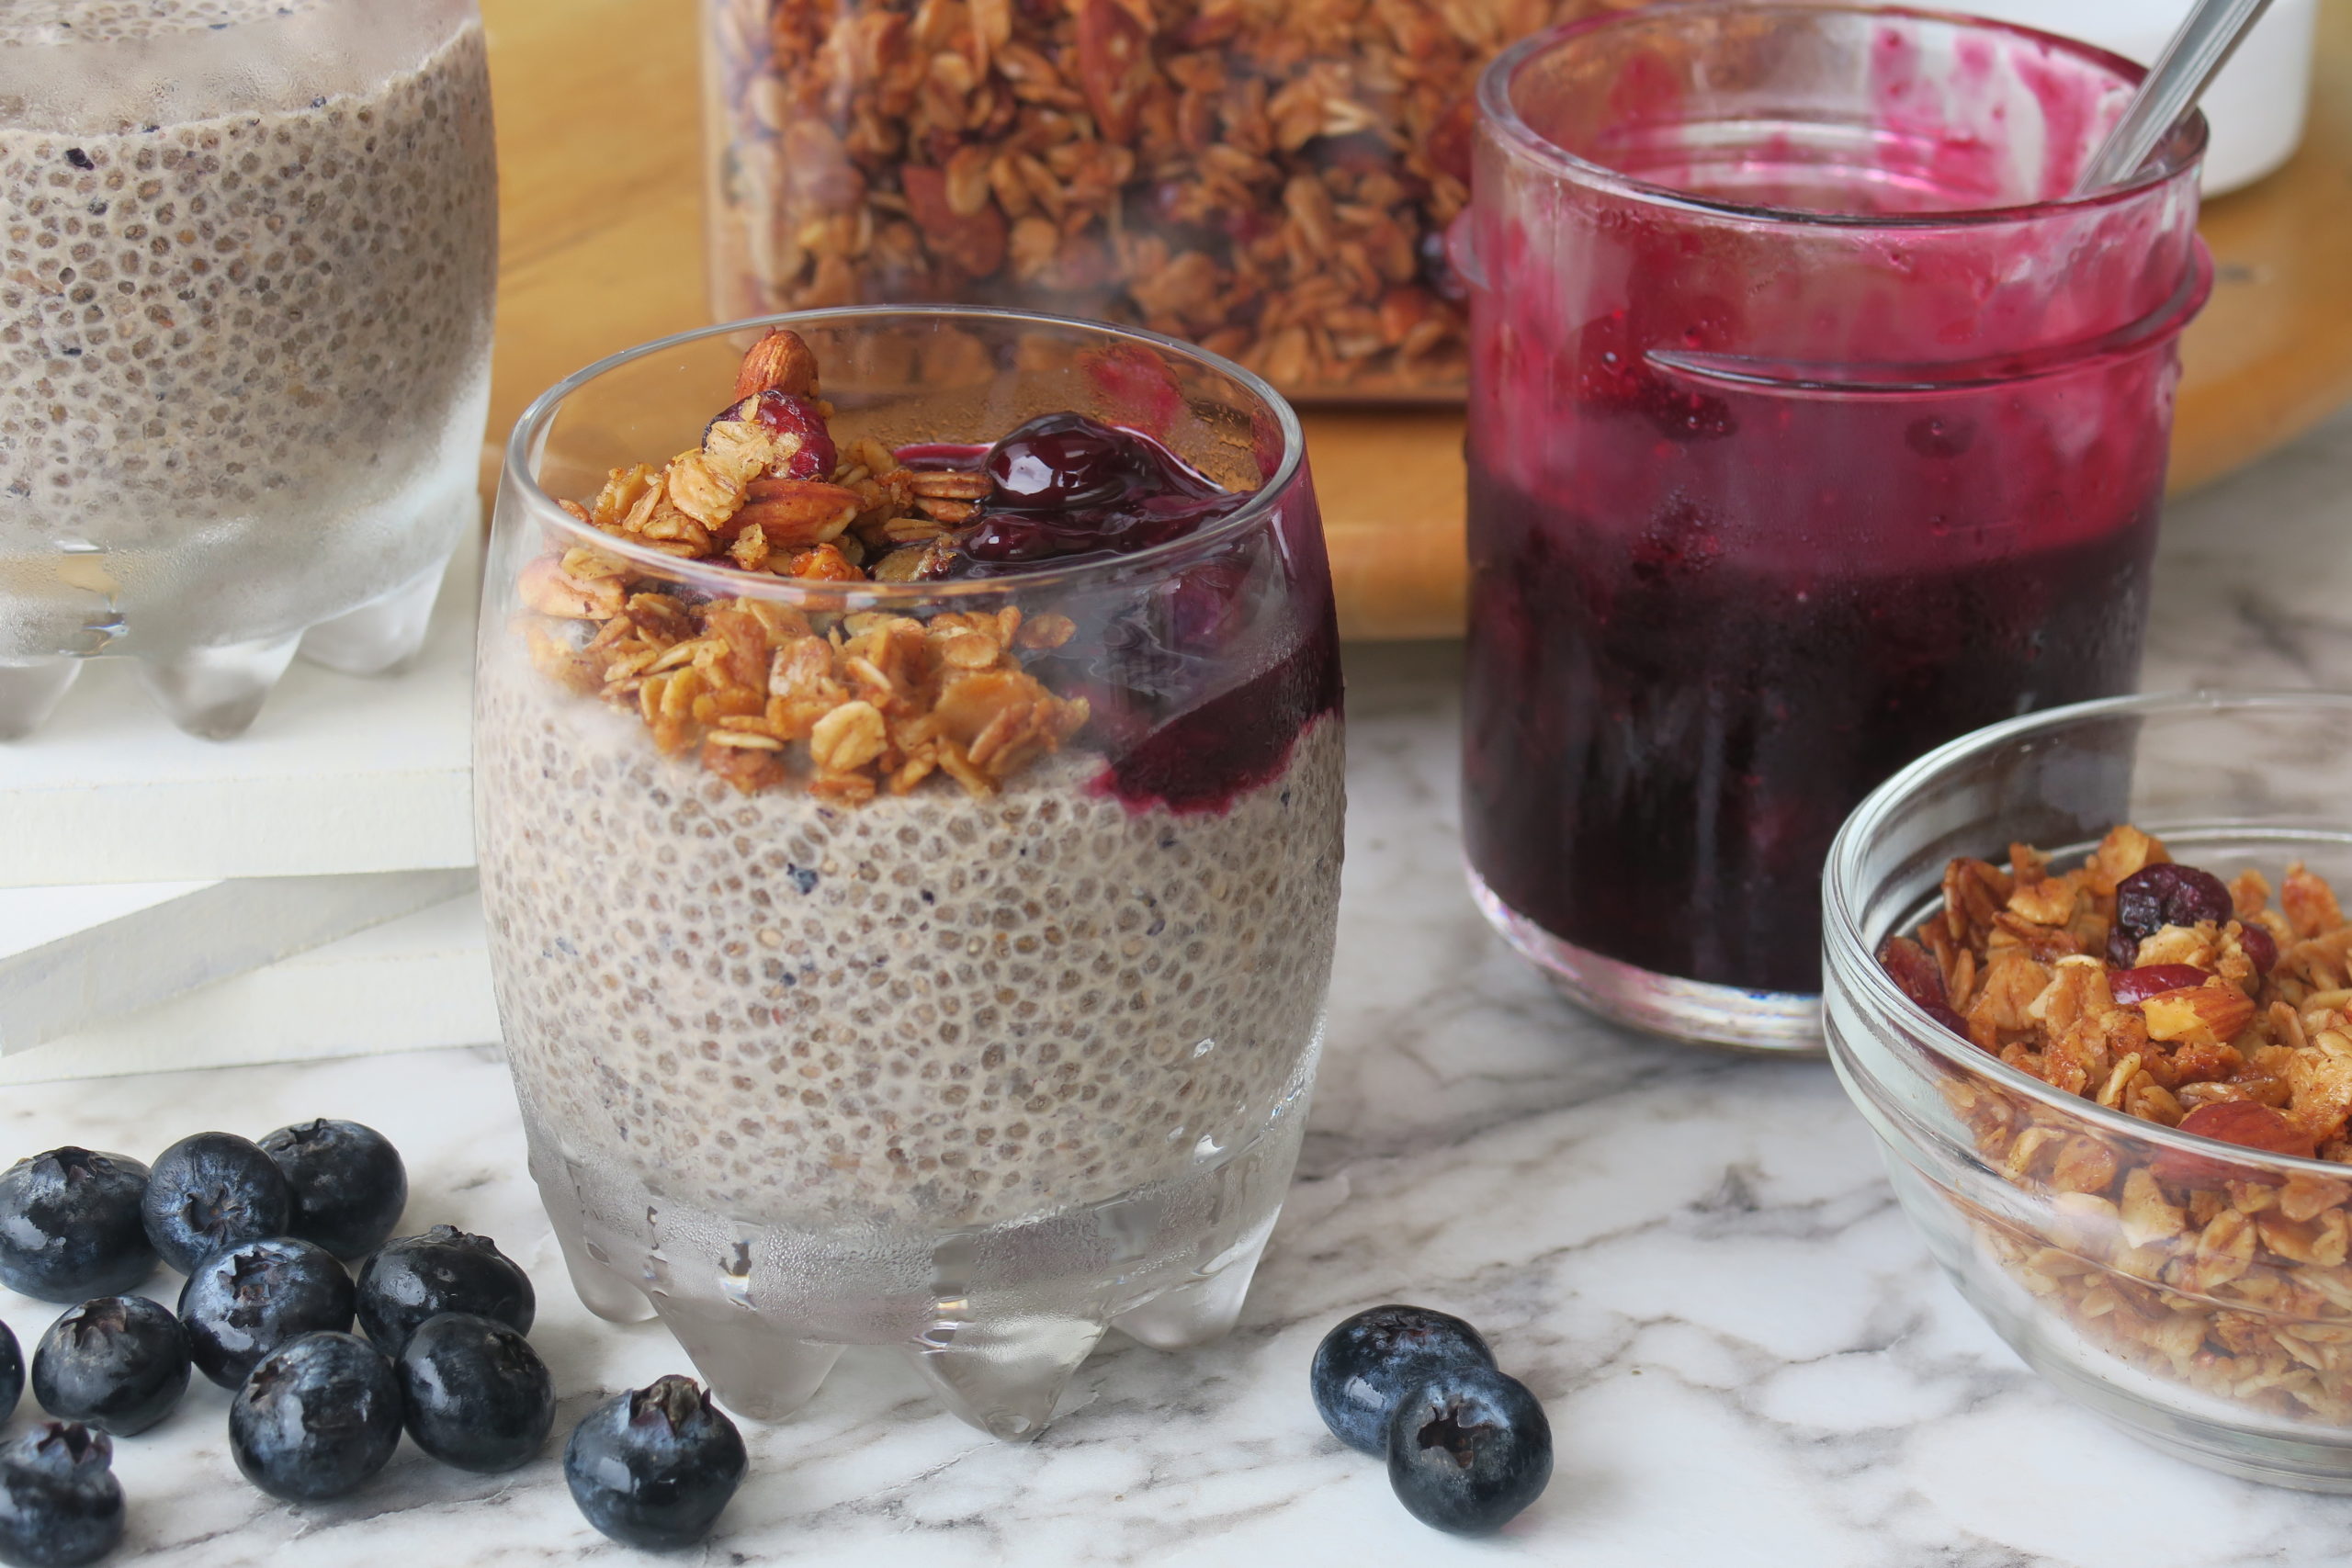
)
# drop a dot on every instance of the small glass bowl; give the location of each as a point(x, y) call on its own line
point(2220, 1336)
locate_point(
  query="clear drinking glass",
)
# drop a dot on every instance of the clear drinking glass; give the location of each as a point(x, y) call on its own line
point(247, 254)
point(1811, 426)
point(973, 1075)
point(2218, 1330)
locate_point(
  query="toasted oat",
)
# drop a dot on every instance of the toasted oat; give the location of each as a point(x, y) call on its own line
point(764, 692)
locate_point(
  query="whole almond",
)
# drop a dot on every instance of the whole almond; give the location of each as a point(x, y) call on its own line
point(779, 362)
point(793, 513)
point(2246, 1123)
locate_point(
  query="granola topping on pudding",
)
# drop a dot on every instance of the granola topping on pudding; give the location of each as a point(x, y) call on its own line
point(873, 701)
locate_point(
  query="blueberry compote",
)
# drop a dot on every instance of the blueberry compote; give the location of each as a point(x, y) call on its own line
point(1762, 506)
point(1157, 666)
point(1660, 744)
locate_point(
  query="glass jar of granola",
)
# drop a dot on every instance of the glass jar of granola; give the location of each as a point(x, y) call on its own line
point(247, 254)
point(1270, 179)
point(910, 831)
point(2089, 982)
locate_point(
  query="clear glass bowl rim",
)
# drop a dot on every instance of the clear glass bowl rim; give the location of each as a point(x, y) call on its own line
point(531, 428)
point(1842, 888)
point(2178, 154)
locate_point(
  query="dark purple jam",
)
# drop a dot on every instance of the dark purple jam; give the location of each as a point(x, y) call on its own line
point(1204, 760)
point(1067, 490)
point(1660, 744)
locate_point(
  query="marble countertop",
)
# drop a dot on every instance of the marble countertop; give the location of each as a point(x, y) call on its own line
point(1693, 1258)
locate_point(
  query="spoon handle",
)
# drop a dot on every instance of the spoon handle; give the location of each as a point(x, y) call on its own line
point(2195, 51)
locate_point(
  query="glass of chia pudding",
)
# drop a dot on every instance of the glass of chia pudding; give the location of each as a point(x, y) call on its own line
point(1812, 423)
point(247, 252)
point(910, 824)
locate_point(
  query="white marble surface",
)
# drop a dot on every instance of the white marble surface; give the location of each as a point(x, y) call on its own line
point(1691, 1257)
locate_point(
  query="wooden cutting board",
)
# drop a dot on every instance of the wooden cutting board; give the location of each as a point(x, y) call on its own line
point(599, 120)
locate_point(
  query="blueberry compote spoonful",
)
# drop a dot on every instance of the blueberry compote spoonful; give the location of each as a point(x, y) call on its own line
point(1067, 487)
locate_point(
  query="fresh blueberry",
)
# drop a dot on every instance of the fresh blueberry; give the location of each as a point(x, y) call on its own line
point(412, 1278)
point(70, 1226)
point(212, 1190)
point(1365, 1363)
point(654, 1467)
point(10, 1371)
point(477, 1396)
point(349, 1184)
point(59, 1503)
point(1468, 1449)
point(118, 1363)
point(317, 1417)
point(243, 1303)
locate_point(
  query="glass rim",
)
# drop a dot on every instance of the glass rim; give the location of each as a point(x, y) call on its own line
point(2176, 155)
point(1843, 887)
point(531, 428)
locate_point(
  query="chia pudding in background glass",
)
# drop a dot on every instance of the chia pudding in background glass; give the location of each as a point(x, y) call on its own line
point(246, 270)
point(1811, 426)
point(918, 937)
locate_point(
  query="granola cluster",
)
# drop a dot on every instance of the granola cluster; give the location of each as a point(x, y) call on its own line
point(2236, 1027)
point(767, 693)
point(1270, 179)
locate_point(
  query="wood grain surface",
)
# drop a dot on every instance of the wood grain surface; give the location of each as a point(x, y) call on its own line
point(599, 108)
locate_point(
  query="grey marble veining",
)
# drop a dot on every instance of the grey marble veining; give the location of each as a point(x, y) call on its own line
point(1693, 1258)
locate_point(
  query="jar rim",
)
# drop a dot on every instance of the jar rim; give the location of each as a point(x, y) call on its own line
point(1848, 960)
point(2176, 155)
point(531, 430)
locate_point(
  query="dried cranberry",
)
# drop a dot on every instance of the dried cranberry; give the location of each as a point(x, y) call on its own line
point(2164, 895)
point(1914, 971)
point(1950, 1020)
point(2261, 948)
point(2134, 985)
point(793, 415)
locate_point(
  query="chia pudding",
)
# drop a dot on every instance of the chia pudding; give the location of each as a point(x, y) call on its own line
point(243, 344)
point(925, 1009)
point(912, 874)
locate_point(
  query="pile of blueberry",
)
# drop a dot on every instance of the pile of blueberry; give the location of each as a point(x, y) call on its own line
point(1467, 1447)
point(263, 1232)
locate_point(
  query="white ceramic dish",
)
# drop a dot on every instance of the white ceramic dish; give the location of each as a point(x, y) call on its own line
point(2256, 105)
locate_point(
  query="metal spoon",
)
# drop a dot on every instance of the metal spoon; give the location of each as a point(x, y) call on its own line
point(2191, 57)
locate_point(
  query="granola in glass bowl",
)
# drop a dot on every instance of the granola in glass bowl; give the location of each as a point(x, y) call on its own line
point(2158, 990)
point(2111, 1081)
